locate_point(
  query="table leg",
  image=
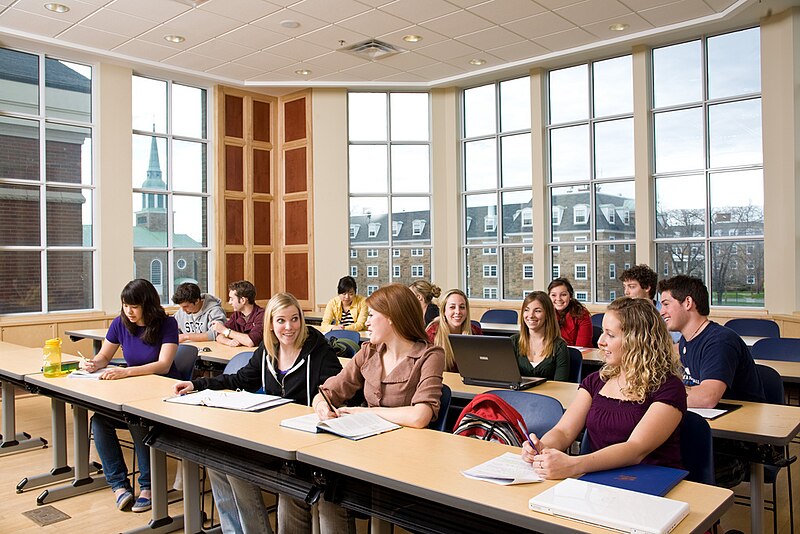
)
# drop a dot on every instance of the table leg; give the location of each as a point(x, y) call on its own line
point(161, 521)
point(193, 521)
point(757, 497)
point(13, 441)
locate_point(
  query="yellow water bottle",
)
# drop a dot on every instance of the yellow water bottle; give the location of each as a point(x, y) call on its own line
point(52, 358)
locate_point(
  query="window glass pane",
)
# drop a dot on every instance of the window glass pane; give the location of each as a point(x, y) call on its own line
point(149, 220)
point(573, 207)
point(367, 116)
point(68, 90)
point(149, 162)
point(734, 132)
point(677, 74)
point(479, 111)
point(68, 154)
point(578, 269)
point(20, 281)
point(190, 216)
point(411, 169)
point(569, 94)
point(516, 160)
point(734, 64)
point(409, 116)
point(19, 82)
point(613, 86)
point(69, 280)
point(19, 149)
point(611, 261)
point(517, 273)
point(681, 206)
point(482, 218)
point(149, 105)
point(153, 266)
point(681, 258)
point(613, 148)
point(69, 217)
point(480, 164)
point(19, 213)
point(517, 216)
point(368, 169)
point(679, 140)
point(188, 111)
point(615, 211)
point(569, 154)
point(190, 266)
point(737, 203)
point(515, 105)
point(369, 221)
point(737, 273)
point(482, 275)
point(412, 217)
point(189, 166)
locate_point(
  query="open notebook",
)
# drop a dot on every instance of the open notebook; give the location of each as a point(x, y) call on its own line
point(232, 400)
point(351, 426)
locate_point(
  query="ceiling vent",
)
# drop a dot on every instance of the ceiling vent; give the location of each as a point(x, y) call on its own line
point(372, 50)
point(192, 3)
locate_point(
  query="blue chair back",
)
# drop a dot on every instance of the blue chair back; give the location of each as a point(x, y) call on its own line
point(237, 362)
point(344, 334)
point(754, 327)
point(184, 361)
point(540, 413)
point(597, 319)
point(444, 406)
point(697, 449)
point(597, 331)
point(777, 348)
point(772, 383)
point(575, 365)
point(500, 316)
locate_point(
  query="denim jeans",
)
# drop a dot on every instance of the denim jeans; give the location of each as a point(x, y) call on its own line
point(294, 515)
point(106, 442)
point(241, 507)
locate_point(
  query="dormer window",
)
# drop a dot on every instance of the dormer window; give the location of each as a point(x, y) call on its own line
point(580, 214)
point(417, 226)
point(396, 227)
point(354, 230)
point(374, 228)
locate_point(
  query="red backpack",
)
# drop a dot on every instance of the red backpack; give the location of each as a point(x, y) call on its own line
point(490, 418)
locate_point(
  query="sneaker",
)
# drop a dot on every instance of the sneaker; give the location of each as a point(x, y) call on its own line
point(142, 504)
point(124, 500)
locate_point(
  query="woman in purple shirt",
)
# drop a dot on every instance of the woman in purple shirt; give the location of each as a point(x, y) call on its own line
point(631, 408)
point(149, 340)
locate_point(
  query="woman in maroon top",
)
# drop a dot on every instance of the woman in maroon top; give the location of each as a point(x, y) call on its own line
point(631, 408)
point(573, 318)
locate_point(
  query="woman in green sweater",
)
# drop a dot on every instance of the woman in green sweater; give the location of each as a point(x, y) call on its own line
point(539, 348)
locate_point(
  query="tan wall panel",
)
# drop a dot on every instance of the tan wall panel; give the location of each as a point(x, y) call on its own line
point(29, 335)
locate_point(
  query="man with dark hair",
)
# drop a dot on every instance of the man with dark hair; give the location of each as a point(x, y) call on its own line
point(198, 312)
point(639, 282)
point(245, 327)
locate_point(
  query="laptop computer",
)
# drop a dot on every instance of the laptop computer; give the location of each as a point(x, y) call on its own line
point(489, 361)
point(615, 508)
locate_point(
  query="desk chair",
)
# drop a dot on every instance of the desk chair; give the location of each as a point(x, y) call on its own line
point(500, 316)
point(440, 423)
point(782, 349)
point(575, 365)
point(597, 319)
point(541, 413)
point(185, 359)
point(597, 331)
point(237, 362)
point(754, 327)
point(346, 334)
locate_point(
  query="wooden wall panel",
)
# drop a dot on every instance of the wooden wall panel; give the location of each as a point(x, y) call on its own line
point(262, 275)
point(296, 222)
point(295, 120)
point(234, 116)
point(234, 269)
point(262, 223)
point(262, 121)
point(234, 222)
point(234, 168)
point(262, 171)
point(295, 172)
point(297, 279)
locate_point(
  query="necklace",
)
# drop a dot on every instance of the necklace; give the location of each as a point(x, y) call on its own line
point(693, 335)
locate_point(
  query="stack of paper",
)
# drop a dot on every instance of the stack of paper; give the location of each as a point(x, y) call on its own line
point(232, 400)
point(351, 426)
point(505, 470)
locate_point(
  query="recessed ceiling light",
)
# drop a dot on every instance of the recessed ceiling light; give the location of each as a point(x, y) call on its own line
point(412, 38)
point(174, 38)
point(477, 62)
point(291, 24)
point(618, 27)
point(303, 72)
point(56, 8)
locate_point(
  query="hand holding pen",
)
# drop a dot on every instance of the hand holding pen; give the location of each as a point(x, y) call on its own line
point(86, 364)
point(531, 448)
point(327, 410)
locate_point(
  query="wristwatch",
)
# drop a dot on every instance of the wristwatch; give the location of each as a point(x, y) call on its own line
point(228, 332)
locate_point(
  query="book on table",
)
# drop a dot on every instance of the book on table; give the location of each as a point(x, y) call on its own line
point(351, 426)
point(644, 478)
point(232, 400)
point(712, 413)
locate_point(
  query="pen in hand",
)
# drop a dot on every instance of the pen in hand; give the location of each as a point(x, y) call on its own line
point(328, 401)
point(528, 437)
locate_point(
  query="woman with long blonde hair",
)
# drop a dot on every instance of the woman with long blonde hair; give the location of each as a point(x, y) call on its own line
point(539, 348)
point(454, 311)
point(631, 408)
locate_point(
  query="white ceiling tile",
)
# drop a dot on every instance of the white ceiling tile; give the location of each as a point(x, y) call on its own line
point(556, 4)
point(92, 37)
point(490, 38)
point(405, 77)
point(371, 70)
point(330, 11)
point(677, 12)
point(297, 49)
point(592, 11)
point(264, 61)
point(337, 61)
point(437, 71)
point(502, 11)
point(539, 25)
point(118, 22)
point(463, 62)
point(376, 3)
point(29, 22)
point(339, 77)
point(518, 51)
point(330, 37)
point(268, 77)
point(466, 3)
point(635, 24)
point(316, 71)
point(408, 61)
point(145, 50)
point(428, 37)
point(156, 10)
point(191, 61)
point(253, 37)
point(638, 5)
point(457, 23)
point(566, 39)
point(197, 26)
point(77, 9)
point(419, 10)
point(222, 50)
point(719, 5)
point(244, 11)
point(374, 23)
point(273, 22)
point(234, 71)
point(447, 50)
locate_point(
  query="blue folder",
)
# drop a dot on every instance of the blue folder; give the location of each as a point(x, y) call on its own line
point(644, 478)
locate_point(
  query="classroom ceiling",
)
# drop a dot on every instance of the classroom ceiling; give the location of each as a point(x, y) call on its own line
point(291, 43)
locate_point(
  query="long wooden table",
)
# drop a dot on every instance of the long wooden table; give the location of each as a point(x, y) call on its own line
point(789, 371)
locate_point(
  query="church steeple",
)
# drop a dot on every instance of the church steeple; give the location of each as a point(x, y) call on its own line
point(154, 180)
point(153, 214)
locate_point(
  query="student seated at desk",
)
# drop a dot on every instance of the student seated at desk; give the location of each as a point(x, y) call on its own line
point(574, 319)
point(347, 310)
point(292, 361)
point(400, 375)
point(197, 314)
point(631, 408)
point(454, 308)
point(245, 326)
point(539, 348)
point(149, 340)
point(425, 292)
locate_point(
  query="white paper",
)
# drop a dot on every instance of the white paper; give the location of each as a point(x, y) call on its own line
point(233, 400)
point(86, 375)
point(507, 469)
point(306, 423)
point(352, 426)
point(707, 413)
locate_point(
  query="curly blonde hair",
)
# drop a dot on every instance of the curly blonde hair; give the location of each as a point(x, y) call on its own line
point(647, 356)
point(441, 339)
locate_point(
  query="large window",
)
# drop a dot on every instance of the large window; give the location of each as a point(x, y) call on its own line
point(497, 196)
point(390, 187)
point(171, 198)
point(46, 184)
point(709, 191)
point(591, 171)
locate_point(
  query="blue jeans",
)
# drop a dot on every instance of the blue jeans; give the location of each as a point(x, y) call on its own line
point(106, 442)
point(294, 515)
point(241, 507)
